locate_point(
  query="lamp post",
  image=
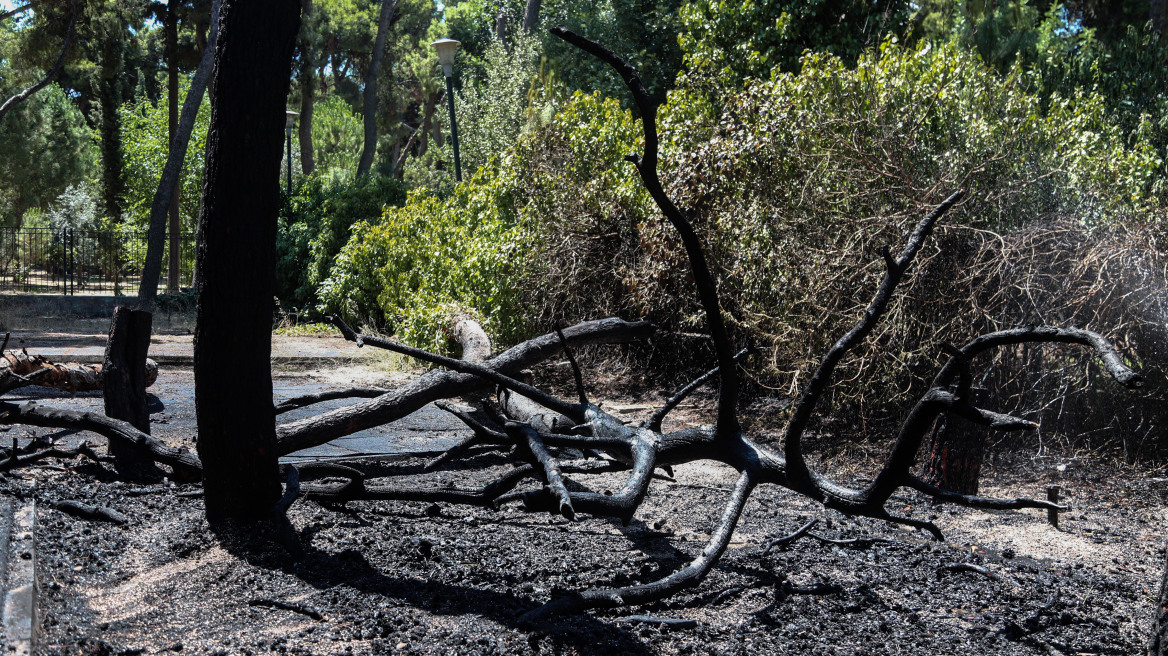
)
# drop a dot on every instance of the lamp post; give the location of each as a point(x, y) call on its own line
point(289, 123)
point(446, 48)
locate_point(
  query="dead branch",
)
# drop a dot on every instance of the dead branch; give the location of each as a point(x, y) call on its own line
point(93, 513)
point(331, 395)
point(185, 464)
point(434, 385)
point(15, 459)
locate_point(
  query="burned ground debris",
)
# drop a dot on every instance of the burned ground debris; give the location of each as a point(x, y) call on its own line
point(545, 441)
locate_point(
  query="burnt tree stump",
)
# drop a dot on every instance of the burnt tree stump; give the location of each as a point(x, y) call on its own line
point(124, 384)
point(956, 451)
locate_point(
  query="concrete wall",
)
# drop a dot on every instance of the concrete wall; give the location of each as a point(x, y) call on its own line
point(53, 305)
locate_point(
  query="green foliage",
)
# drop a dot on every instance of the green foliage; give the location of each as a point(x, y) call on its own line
point(145, 149)
point(483, 248)
point(336, 136)
point(735, 41)
point(45, 146)
point(75, 208)
point(420, 264)
point(315, 224)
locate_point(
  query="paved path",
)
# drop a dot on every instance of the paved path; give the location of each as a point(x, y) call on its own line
point(172, 409)
point(324, 350)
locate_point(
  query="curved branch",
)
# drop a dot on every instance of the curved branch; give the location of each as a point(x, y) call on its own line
point(56, 69)
point(646, 164)
point(689, 576)
point(797, 468)
point(1112, 361)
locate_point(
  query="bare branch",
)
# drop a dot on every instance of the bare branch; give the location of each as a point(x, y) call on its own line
point(646, 164)
point(796, 465)
point(56, 69)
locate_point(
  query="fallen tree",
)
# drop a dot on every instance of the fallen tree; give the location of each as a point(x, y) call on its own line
point(542, 432)
point(33, 369)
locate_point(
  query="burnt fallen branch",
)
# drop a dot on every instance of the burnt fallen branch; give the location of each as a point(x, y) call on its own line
point(439, 384)
point(186, 465)
point(20, 366)
point(303, 609)
point(94, 513)
point(16, 459)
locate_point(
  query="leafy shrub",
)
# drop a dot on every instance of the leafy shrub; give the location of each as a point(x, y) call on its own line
point(146, 145)
point(795, 183)
point(314, 224)
point(337, 136)
point(422, 263)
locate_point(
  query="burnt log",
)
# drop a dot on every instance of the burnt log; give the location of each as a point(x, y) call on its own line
point(67, 376)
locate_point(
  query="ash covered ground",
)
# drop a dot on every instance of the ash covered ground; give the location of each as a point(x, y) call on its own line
point(416, 578)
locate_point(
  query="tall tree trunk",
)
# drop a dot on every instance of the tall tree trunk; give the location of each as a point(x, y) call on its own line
point(172, 279)
point(60, 63)
point(427, 124)
point(307, 87)
point(531, 17)
point(112, 181)
point(501, 26)
point(369, 97)
point(152, 268)
point(241, 199)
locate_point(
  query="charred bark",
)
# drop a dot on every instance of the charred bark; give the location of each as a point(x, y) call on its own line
point(955, 454)
point(241, 197)
point(124, 385)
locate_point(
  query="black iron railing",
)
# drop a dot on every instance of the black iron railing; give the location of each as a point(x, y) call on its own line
point(81, 261)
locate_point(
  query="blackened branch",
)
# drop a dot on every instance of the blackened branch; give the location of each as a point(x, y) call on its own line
point(797, 468)
point(728, 424)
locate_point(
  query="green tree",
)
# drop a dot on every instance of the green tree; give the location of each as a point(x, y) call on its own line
point(45, 146)
point(147, 145)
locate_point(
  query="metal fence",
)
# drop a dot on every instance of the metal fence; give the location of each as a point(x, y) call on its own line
point(77, 261)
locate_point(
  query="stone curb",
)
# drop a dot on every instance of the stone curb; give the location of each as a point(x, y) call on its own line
point(20, 619)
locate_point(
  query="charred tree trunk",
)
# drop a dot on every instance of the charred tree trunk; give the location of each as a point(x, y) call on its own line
point(501, 26)
point(124, 384)
point(241, 198)
point(956, 452)
point(369, 98)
